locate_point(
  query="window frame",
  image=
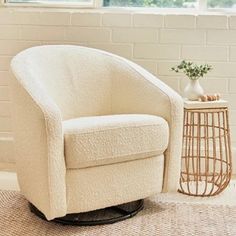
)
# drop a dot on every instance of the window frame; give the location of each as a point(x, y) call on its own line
point(48, 4)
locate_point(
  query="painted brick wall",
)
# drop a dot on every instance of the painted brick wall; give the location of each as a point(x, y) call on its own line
point(155, 41)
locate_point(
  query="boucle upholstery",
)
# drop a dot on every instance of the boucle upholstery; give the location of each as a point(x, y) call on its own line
point(52, 84)
point(99, 140)
point(137, 180)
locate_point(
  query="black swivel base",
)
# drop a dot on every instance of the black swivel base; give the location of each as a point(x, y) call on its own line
point(107, 215)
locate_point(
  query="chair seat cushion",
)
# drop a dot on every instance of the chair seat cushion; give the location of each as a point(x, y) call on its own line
point(101, 140)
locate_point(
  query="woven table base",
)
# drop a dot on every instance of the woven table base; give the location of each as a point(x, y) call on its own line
point(206, 155)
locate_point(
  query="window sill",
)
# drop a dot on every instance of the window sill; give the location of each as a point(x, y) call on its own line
point(48, 5)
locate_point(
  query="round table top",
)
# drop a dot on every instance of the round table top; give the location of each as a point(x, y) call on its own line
point(204, 105)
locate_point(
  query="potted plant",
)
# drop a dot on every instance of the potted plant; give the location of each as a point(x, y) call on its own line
point(194, 72)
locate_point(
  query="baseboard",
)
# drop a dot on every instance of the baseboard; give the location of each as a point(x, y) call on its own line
point(7, 167)
point(6, 148)
point(234, 160)
point(8, 181)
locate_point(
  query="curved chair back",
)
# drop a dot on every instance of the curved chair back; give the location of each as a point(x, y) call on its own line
point(78, 79)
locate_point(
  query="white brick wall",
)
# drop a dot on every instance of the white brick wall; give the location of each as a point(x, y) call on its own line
point(85, 34)
point(183, 36)
point(208, 53)
point(180, 21)
point(212, 22)
point(148, 20)
point(155, 51)
point(223, 37)
point(155, 41)
point(134, 35)
point(117, 19)
point(86, 19)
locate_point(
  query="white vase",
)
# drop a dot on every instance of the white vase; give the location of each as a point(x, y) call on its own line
point(193, 90)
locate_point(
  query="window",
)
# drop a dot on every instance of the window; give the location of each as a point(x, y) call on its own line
point(221, 4)
point(83, 3)
point(152, 3)
point(197, 4)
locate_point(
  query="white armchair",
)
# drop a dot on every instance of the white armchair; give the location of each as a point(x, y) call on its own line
point(92, 130)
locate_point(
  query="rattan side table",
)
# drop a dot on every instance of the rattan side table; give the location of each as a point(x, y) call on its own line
point(206, 154)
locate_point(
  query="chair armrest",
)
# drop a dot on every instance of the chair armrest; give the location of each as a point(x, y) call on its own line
point(135, 90)
point(39, 144)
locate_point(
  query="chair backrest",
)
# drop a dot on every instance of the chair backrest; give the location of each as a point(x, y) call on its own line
point(78, 79)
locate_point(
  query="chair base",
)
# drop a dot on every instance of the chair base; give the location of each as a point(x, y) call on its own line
point(107, 215)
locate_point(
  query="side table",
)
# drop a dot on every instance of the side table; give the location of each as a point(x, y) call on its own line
point(206, 154)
